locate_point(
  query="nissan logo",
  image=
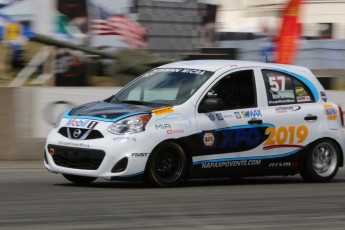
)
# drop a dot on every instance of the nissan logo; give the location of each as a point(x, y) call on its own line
point(76, 133)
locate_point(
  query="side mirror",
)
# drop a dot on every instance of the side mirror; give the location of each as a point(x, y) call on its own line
point(211, 104)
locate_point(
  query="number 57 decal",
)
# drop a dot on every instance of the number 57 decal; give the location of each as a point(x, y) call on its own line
point(285, 137)
point(275, 86)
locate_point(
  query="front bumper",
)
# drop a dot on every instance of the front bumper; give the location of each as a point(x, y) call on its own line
point(102, 158)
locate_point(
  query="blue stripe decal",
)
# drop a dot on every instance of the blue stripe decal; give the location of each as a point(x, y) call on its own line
point(102, 119)
point(132, 175)
point(245, 126)
point(247, 158)
point(304, 80)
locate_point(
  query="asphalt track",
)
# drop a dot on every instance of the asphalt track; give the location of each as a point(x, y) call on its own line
point(31, 198)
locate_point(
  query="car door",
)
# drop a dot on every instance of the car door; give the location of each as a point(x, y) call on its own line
point(293, 112)
point(231, 131)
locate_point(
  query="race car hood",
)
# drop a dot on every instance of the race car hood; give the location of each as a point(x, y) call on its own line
point(106, 110)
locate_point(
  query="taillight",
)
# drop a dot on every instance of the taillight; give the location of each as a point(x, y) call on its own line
point(341, 115)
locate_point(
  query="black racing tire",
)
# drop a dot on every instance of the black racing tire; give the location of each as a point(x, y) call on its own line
point(322, 162)
point(79, 180)
point(166, 166)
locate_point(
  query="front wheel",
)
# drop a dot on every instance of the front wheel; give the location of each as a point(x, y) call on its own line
point(322, 162)
point(166, 166)
point(80, 180)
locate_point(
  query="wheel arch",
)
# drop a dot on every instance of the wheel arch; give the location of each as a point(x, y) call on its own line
point(341, 153)
point(185, 148)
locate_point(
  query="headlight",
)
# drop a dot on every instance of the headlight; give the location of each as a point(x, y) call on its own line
point(133, 124)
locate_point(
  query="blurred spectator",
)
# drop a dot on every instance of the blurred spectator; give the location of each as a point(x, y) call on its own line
point(208, 27)
point(17, 58)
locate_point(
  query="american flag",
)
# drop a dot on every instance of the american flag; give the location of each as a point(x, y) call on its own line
point(104, 23)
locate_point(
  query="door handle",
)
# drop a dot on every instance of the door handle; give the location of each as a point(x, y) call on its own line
point(310, 117)
point(255, 121)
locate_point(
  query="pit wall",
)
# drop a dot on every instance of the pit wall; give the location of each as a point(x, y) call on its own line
point(28, 114)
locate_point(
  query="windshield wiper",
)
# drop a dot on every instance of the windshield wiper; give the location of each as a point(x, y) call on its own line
point(136, 102)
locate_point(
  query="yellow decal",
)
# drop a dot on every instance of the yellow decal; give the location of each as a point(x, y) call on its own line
point(300, 91)
point(330, 112)
point(208, 139)
point(162, 111)
point(286, 135)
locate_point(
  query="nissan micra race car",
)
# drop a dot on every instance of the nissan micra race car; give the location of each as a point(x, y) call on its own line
point(203, 118)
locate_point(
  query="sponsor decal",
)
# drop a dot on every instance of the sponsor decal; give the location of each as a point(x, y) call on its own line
point(124, 139)
point(232, 138)
point(287, 108)
point(285, 137)
point(300, 91)
point(229, 164)
point(219, 116)
point(140, 154)
point(282, 101)
point(162, 111)
point(238, 115)
point(73, 144)
point(251, 113)
point(235, 137)
point(175, 131)
point(193, 71)
point(283, 164)
point(208, 139)
point(211, 116)
point(175, 70)
point(330, 112)
point(323, 96)
point(81, 123)
point(170, 70)
point(303, 99)
point(228, 115)
point(163, 126)
point(92, 125)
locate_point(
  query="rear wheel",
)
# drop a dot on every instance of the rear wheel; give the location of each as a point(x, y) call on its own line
point(166, 166)
point(322, 162)
point(80, 180)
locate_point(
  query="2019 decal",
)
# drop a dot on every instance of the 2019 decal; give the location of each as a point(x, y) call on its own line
point(283, 136)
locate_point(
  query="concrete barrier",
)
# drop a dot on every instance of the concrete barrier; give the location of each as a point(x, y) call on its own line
point(28, 113)
point(7, 132)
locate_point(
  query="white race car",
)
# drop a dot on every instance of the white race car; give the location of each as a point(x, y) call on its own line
point(203, 118)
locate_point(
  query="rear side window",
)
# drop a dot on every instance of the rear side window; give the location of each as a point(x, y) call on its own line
point(282, 88)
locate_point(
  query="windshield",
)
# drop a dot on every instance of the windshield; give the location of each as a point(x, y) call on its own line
point(163, 87)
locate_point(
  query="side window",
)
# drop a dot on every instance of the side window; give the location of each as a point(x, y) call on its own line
point(237, 90)
point(282, 88)
point(303, 93)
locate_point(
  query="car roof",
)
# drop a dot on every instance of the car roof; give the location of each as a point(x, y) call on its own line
point(214, 65)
